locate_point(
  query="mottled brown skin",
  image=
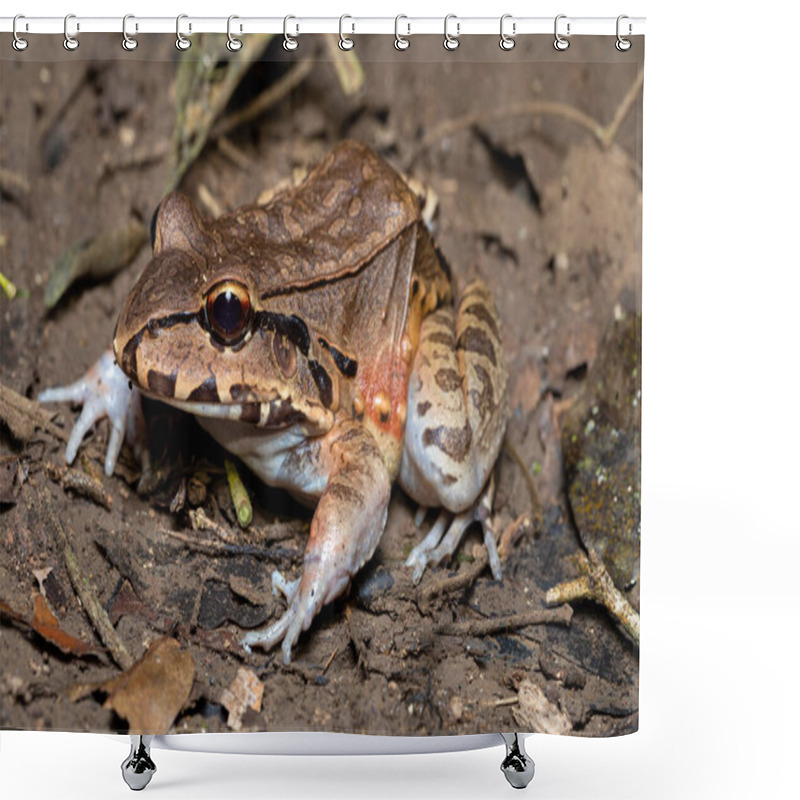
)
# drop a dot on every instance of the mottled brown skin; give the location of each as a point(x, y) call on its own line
point(353, 371)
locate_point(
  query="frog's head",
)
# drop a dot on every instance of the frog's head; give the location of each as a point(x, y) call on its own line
point(193, 333)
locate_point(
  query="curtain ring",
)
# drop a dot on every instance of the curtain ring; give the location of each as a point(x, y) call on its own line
point(70, 42)
point(401, 42)
point(19, 44)
point(560, 42)
point(623, 44)
point(234, 44)
point(129, 42)
point(451, 42)
point(507, 42)
point(345, 43)
point(182, 43)
point(289, 42)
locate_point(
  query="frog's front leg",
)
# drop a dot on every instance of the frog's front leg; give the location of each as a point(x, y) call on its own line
point(345, 530)
point(457, 415)
point(104, 391)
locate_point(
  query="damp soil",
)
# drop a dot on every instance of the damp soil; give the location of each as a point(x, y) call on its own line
point(531, 202)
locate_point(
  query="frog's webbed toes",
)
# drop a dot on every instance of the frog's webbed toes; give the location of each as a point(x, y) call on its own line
point(104, 391)
point(295, 620)
point(442, 540)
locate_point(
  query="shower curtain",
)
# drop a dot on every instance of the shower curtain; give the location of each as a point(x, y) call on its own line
point(375, 312)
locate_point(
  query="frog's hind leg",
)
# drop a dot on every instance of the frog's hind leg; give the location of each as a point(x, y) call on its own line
point(457, 415)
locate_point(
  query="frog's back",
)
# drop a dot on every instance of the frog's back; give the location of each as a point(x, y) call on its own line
point(349, 207)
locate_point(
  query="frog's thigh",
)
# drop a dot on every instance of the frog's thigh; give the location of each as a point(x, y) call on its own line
point(457, 408)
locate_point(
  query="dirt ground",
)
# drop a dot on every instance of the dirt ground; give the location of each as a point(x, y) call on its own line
point(529, 200)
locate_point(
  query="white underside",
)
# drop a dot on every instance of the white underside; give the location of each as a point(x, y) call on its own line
point(322, 744)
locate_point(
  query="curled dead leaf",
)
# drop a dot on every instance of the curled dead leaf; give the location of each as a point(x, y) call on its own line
point(46, 624)
point(152, 692)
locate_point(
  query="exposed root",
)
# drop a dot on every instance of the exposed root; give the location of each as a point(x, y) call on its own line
point(596, 584)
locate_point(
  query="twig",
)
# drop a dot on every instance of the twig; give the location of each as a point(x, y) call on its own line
point(622, 111)
point(228, 149)
point(241, 500)
point(80, 483)
point(213, 547)
point(485, 627)
point(596, 584)
point(8, 286)
point(506, 701)
point(13, 182)
point(462, 579)
point(329, 661)
point(603, 134)
point(268, 98)
point(94, 610)
point(21, 414)
point(202, 522)
point(513, 533)
point(537, 517)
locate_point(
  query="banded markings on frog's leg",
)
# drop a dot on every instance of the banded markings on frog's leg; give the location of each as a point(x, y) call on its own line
point(457, 415)
point(345, 530)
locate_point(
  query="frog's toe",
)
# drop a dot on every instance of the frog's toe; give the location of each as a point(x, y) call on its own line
point(281, 586)
point(267, 638)
point(439, 546)
point(419, 557)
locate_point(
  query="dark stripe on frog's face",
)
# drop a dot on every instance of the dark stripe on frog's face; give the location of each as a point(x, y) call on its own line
point(206, 392)
point(128, 357)
point(293, 328)
point(346, 365)
point(323, 381)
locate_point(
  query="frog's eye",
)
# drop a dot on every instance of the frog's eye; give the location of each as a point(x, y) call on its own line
point(228, 311)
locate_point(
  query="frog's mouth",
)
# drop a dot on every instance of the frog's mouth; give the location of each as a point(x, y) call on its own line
point(277, 414)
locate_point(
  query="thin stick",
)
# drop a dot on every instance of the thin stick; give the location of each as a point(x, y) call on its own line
point(268, 98)
point(537, 516)
point(241, 500)
point(485, 627)
point(603, 134)
point(506, 701)
point(622, 111)
point(596, 584)
point(462, 579)
point(81, 483)
point(329, 661)
point(553, 108)
point(94, 610)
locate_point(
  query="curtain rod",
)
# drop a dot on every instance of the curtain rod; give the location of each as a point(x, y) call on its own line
point(348, 25)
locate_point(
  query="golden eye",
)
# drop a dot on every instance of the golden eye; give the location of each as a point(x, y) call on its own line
point(228, 311)
point(285, 354)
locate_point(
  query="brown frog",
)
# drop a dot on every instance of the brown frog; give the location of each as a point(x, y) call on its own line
point(314, 337)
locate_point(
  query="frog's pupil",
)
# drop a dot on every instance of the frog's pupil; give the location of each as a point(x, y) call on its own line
point(227, 311)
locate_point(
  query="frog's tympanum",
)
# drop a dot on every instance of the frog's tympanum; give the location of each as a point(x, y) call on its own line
point(315, 338)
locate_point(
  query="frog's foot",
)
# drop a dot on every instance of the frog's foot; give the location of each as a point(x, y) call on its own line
point(439, 546)
point(104, 391)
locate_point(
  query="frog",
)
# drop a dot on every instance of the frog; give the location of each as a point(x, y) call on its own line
point(316, 337)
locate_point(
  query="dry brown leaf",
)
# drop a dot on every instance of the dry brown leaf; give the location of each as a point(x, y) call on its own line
point(537, 714)
point(46, 624)
point(244, 692)
point(152, 692)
